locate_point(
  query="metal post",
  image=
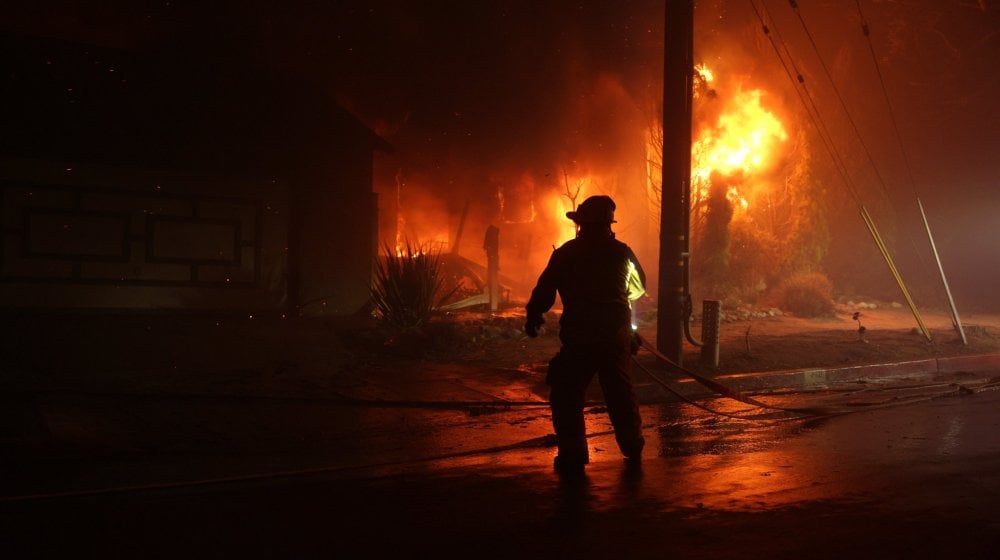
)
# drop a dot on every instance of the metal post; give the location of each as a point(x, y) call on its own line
point(678, 74)
point(957, 322)
point(895, 272)
point(711, 328)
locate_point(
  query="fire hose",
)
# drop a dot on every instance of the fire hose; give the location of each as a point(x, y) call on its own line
point(719, 388)
point(715, 386)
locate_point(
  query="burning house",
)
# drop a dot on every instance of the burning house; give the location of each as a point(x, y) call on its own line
point(749, 177)
point(777, 171)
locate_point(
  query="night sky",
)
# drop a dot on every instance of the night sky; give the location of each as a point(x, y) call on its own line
point(475, 93)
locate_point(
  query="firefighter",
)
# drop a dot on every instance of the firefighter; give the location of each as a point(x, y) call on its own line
point(596, 277)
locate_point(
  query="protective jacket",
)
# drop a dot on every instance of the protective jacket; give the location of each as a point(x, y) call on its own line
point(591, 274)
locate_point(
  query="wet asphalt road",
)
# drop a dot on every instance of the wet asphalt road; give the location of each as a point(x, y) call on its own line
point(915, 481)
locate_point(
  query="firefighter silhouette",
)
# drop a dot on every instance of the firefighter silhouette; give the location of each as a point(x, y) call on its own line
point(596, 277)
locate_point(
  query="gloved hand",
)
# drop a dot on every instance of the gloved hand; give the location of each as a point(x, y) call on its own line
point(532, 325)
point(635, 343)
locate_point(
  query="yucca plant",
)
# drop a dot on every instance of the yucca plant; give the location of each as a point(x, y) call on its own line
point(405, 285)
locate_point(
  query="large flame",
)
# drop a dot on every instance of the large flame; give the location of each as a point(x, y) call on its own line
point(743, 141)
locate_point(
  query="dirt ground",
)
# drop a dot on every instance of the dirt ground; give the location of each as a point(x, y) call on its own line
point(311, 357)
point(889, 334)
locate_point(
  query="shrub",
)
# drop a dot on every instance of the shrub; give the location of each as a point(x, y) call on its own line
point(808, 294)
point(405, 286)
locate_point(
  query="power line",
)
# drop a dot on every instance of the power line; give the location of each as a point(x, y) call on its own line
point(826, 70)
point(828, 142)
point(885, 94)
point(815, 117)
point(909, 172)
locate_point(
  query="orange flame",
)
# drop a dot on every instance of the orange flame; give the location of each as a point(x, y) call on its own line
point(576, 190)
point(743, 141)
point(704, 73)
point(566, 229)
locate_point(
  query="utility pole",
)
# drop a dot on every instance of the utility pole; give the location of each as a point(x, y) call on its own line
point(675, 192)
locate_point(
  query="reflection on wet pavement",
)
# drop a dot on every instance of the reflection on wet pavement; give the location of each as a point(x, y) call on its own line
point(698, 461)
point(694, 459)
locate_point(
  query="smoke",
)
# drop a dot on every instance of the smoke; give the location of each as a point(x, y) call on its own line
point(533, 101)
point(530, 105)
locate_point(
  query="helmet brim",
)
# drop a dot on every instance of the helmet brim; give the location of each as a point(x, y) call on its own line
point(575, 216)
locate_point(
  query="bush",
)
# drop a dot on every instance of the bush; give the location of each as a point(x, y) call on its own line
point(405, 287)
point(808, 294)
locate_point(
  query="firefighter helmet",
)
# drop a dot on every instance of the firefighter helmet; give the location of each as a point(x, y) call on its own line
point(595, 210)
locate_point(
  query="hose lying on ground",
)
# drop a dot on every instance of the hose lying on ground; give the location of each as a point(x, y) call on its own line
point(727, 392)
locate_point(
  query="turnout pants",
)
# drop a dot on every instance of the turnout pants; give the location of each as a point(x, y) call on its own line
point(570, 373)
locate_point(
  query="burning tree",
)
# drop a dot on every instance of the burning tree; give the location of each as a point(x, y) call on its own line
point(757, 214)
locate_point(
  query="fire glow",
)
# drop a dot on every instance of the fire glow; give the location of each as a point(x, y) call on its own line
point(744, 141)
point(576, 190)
point(737, 143)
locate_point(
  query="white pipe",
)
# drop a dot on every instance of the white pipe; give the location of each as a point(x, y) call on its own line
point(954, 311)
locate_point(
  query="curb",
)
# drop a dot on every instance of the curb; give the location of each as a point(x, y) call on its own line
point(978, 363)
point(929, 369)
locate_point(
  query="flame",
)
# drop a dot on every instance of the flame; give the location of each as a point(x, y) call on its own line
point(576, 189)
point(505, 216)
point(743, 141)
point(412, 250)
point(704, 73)
point(421, 226)
point(400, 218)
point(402, 253)
point(566, 228)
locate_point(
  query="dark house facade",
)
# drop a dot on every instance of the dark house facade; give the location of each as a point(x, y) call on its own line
point(178, 181)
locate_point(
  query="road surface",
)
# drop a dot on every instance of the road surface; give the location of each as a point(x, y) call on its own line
point(920, 480)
